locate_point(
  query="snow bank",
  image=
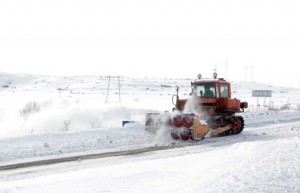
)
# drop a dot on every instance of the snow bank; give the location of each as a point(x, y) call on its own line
point(241, 167)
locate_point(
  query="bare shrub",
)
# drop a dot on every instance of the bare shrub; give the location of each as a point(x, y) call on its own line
point(31, 107)
point(96, 122)
point(270, 108)
point(66, 125)
point(285, 107)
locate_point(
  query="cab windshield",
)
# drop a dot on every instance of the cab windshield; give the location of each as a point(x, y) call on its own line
point(206, 91)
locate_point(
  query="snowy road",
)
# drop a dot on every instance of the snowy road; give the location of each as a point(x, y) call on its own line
point(86, 156)
point(262, 159)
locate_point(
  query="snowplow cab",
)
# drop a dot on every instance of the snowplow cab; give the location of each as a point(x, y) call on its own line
point(213, 97)
point(212, 89)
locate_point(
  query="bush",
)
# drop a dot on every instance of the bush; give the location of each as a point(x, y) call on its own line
point(67, 125)
point(31, 107)
point(96, 122)
point(285, 107)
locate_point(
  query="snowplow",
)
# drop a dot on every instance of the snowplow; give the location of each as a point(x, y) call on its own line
point(209, 111)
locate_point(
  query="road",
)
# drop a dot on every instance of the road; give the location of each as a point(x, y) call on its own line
point(41, 167)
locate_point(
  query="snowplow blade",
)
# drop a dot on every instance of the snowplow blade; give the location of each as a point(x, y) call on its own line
point(187, 126)
point(199, 130)
point(183, 126)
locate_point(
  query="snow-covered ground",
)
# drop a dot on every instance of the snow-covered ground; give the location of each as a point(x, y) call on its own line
point(45, 117)
point(262, 159)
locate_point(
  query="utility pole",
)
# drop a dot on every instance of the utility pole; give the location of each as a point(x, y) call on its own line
point(251, 72)
point(107, 89)
point(226, 69)
point(246, 68)
point(118, 83)
point(119, 89)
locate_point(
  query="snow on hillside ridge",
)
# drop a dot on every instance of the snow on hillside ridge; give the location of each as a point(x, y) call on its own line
point(32, 104)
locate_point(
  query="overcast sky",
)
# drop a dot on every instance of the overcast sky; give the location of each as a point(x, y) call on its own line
point(153, 38)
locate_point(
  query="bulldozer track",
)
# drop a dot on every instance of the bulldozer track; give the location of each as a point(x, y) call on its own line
point(51, 161)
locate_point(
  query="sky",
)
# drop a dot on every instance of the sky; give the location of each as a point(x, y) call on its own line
point(157, 38)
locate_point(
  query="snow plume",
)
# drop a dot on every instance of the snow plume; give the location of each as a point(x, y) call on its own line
point(163, 134)
point(21, 115)
point(192, 106)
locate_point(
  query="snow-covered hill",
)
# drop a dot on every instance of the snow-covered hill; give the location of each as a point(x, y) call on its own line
point(45, 117)
point(34, 104)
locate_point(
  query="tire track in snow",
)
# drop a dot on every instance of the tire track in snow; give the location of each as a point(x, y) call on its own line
point(27, 164)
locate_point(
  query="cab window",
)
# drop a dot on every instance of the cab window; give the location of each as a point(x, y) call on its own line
point(224, 91)
point(206, 91)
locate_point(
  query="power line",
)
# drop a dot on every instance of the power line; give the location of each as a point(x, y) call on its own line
point(226, 69)
point(108, 87)
point(251, 72)
point(246, 68)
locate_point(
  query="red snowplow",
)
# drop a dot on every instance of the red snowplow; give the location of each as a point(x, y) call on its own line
point(210, 109)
